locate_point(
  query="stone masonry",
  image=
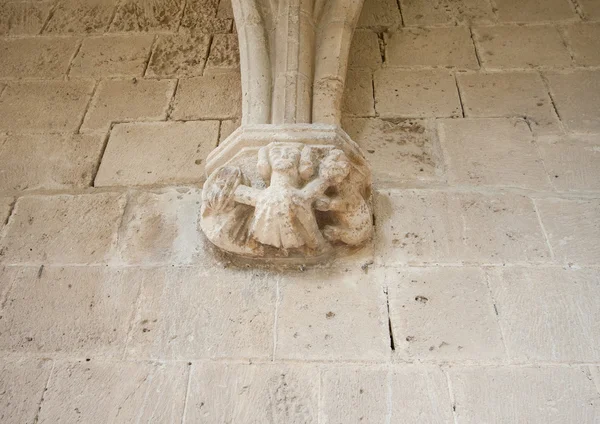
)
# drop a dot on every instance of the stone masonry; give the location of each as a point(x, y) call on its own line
point(478, 300)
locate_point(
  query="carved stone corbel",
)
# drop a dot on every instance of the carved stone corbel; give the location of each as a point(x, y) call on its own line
point(290, 184)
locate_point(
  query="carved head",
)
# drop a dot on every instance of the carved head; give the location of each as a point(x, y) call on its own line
point(335, 167)
point(289, 158)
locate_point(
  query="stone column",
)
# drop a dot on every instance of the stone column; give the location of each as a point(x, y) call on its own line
point(290, 185)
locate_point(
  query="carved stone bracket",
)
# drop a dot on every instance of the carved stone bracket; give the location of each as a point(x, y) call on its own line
point(290, 183)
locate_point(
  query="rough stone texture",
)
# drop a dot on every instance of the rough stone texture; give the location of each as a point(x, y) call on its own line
point(548, 314)
point(431, 226)
point(418, 12)
point(115, 392)
point(134, 150)
point(20, 18)
point(5, 208)
point(44, 106)
point(208, 97)
point(572, 166)
point(428, 309)
point(128, 100)
point(358, 97)
point(227, 127)
point(591, 9)
point(224, 54)
point(77, 17)
point(416, 94)
point(574, 94)
point(364, 51)
point(200, 17)
point(379, 14)
point(143, 15)
point(443, 47)
point(572, 227)
point(180, 55)
point(63, 229)
point(534, 10)
point(521, 46)
point(36, 58)
point(545, 395)
point(492, 152)
point(584, 40)
point(53, 161)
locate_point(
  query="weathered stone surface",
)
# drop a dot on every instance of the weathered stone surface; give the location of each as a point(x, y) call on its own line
point(208, 97)
point(188, 313)
point(364, 51)
point(572, 166)
point(398, 149)
point(225, 9)
point(157, 153)
point(53, 161)
point(224, 54)
point(44, 106)
point(77, 17)
point(417, 12)
point(443, 47)
point(573, 229)
point(143, 15)
point(416, 94)
point(128, 100)
point(315, 317)
point(36, 57)
point(22, 385)
point(5, 208)
point(575, 96)
point(23, 18)
point(227, 127)
point(358, 96)
point(591, 9)
point(180, 55)
point(540, 395)
point(584, 40)
point(534, 10)
point(429, 226)
point(200, 17)
point(548, 314)
point(492, 152)
point(69, 311)
point(63, 229)
point(379, 14)
point(115, 392)
point(240, 393)
point(112, 56)
point(521, 46)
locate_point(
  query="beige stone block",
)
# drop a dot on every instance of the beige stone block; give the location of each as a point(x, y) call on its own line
point(590, 8)
point(22, 386)
point(534, 10)
point(128, 100)
point(443, 47)
point(316, 317)
point(179, 55)
point(157, 153)
point(44, 106)
point(63, 229)
point(188, 313)
point(364, 50)
point(512, 46)
point(224, 54)
point(418, 12)
point(115, 392)
point(200, 17)
point(584, 40)
point(398, 149)
point(5, 208)
point(228, 127)
point(358, 93)
point(225, 9)
point(81, 17)
point(492, 152)
point(23, 18)
point(80, 311)
point(112, 56)
point(443, 314)
point(36, 57)
point(572, 166)
point(416, 94)
point(148, 16)
point(536, 395)
point(241, 393)
point(573, 229)
point(548, 314)
point(209, 97)
point(421, 226)
point(510, 94)
point(53, 161)
point(576, 97)
point(379, 14)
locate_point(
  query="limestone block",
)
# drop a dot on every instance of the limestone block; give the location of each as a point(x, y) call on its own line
point(80, 311)
point(572, 166)
point(225, 9)
point(576, 99)
point(77, 17)
point(190, 313)
point(22, 385)
point(590, 8)
point(179, 55)
point(128, 100)
point(241, 393)
point(200, 17)
point(224, 54)
point(53, 161)
point(548, 314)
point(228, 127)
point(364, 51)
point(534, 10)
point(443, 314)
point(156, 153)
point(63, 229)
point(417, 12)
point(443, 47)
point(20, 18)
point(492, 152)
point(112, 56)
point(416, 94)
point(358, 96)
point(208, 97)
point(432, 226)
point(115, 392)
point(510, 94)
point(379, 15)
point(5, 208)
point(140, 15)
point(584, 40)
point(537, 395)
point(36, 57)
point(315, 317)
point(573, 229)
point(511, 46)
